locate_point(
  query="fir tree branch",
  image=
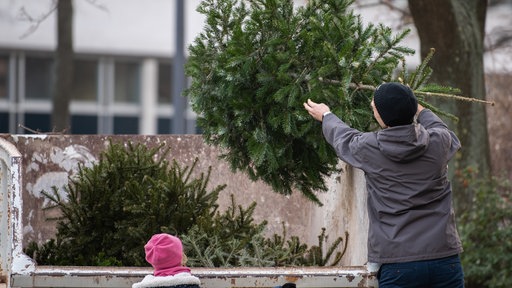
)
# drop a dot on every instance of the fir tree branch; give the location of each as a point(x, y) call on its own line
point(416, 92)
point(456, 97)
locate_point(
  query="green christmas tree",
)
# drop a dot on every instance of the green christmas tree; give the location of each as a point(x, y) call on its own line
point(109, 210)
point(252, 68)
point(255, 64)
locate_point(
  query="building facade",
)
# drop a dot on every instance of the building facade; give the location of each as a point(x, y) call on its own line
point(124, 55)
point(122, 81)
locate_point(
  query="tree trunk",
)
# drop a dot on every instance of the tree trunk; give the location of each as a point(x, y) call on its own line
point(64, 67)
point(455, 28)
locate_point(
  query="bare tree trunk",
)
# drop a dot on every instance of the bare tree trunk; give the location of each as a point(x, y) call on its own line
point(64, 66)
point(455, 28)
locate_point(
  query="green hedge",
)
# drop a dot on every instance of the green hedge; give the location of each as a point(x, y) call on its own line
point(486, 232)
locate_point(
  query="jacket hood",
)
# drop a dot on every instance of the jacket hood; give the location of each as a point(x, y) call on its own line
point(403, 143)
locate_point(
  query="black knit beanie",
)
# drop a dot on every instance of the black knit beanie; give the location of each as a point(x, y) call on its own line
point(396, 103)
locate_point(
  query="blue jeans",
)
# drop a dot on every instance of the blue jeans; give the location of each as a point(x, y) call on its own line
point(437, 273)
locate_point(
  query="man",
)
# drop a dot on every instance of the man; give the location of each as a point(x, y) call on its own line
point(412, 231)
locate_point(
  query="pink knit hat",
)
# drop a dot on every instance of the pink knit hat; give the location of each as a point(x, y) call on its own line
point(165, 252)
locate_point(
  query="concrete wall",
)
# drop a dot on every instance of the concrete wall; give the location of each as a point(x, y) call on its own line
point(48, 160)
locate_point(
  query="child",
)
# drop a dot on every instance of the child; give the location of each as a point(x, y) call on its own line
point(165, 253)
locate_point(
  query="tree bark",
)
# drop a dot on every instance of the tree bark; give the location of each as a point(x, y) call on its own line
point(455, 28)
point(64, 67)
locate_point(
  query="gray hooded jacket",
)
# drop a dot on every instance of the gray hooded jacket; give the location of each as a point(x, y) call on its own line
point(409, 195)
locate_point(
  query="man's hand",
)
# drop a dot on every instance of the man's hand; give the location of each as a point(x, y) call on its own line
point(316, 110)
point(420, 108)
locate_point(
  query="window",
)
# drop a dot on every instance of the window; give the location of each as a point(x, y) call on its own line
point(4, 122)
point(126, 125)
point(127, 82)
point(164, 83)
point(38, 122)
point(164, 125)
point(39, 78)
point(4, 76)
point(84, 124)
point(85, 80)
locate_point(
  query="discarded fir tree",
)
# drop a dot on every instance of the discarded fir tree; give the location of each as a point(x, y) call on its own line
point(255, 64)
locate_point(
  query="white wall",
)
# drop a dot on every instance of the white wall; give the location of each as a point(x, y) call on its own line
point(146, 27)
point(138, 27)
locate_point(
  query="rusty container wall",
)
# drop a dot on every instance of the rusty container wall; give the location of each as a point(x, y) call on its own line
point(245, 277)
point(345, 211)
point(12, 259)
point(48, 160)
point(6, 217)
